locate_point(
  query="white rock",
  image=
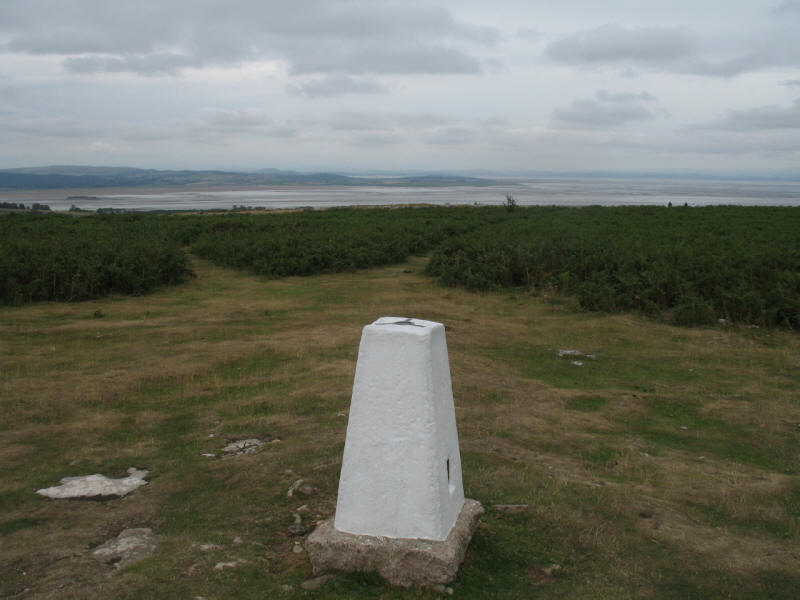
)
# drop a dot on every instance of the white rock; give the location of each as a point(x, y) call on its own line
point(569, 352)
point(401, 468)
point(248, 446)
point(128, 547)
point(209, 546)
point(221, 566)
point(293, 488)
point(95, 486)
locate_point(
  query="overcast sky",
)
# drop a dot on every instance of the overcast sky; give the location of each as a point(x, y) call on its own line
point(623, 85)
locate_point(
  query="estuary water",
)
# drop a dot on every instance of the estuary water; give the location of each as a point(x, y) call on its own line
point(574, 191)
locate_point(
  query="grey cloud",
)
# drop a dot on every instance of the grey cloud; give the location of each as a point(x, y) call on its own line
point(791, 82)
point(336, 85)
point(530, 34)
point(237, 119)
point(385, 138)
point(360, 121)
point(761, 118)
point(780, 49)
point(454, 135)
point(787, 8)
point(380, 57)
point(678, 50)
point(149, 64)
point(624, 97)
point(48, 127)
point(315, 36)
point(385, 121)
point(605, 110)
point(614, 43)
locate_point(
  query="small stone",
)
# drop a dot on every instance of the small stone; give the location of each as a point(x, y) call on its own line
point(293, 488)
point(298, 548)
point(95, 486)
point(209, 546)
point(287, 588)
point(551, 570)
point(306, 490)
point(297, 518)
point(297, 530)
point(569, 352)
point(249, 446)
point(221, 566)
point(316, 582)
point(208, 455)
point(128, 547)
point(302, 509)
point(577, 363)
point(237, 541)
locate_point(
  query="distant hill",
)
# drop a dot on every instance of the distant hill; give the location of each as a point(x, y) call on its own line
point(68, 176)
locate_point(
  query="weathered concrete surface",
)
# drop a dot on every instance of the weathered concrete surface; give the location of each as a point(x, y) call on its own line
point(95, 487)
point(402, 562)
point(128, 547)
point(401, 467)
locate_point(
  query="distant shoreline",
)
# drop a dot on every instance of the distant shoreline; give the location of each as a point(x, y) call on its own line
point(561, 191)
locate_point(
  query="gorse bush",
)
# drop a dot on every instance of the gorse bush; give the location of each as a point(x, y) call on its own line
point(66, 258)
point(59, 257)
point(329, 241)
point(696, 265)
point(692, 265)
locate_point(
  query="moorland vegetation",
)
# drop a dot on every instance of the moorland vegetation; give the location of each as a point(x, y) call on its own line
point(690, 266)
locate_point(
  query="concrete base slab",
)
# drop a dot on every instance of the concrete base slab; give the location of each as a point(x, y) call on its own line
point(403, 562)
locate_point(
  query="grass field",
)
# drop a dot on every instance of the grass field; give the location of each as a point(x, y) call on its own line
point(664, 467)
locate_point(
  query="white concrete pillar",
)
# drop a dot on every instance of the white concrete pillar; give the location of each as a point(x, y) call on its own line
point(401, 469)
